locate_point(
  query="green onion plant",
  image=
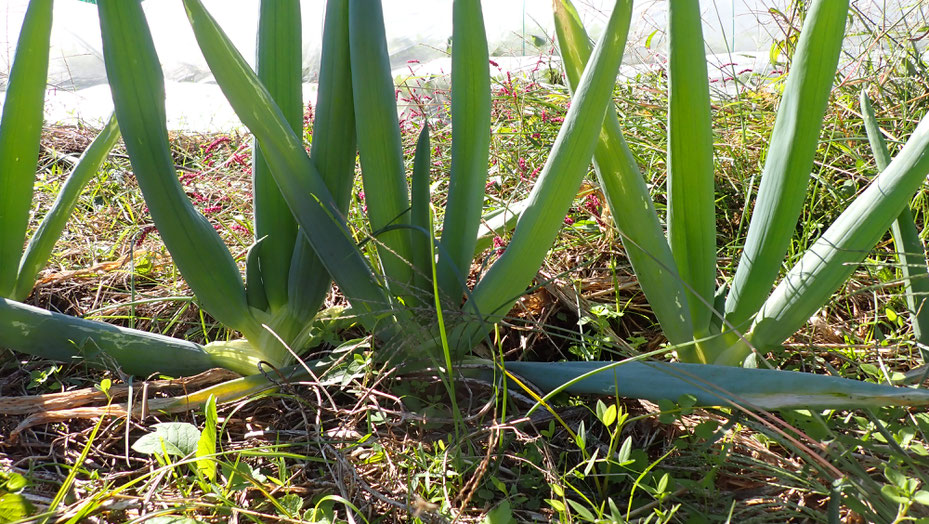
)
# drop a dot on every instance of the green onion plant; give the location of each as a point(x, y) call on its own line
point(751, 317)
point(911, 255)
point(20, 133)
point(407, 287)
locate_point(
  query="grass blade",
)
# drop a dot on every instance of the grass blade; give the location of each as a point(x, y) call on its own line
point(557, 184)
point(834, 256)
point(625, 189)
point(910, 251)
point(421, 215)
point(43, 241)
point(280, 69)
point(691, 200)
point(379, 147)
point(20, 131)
point(470, 145)
point(789, 158)
point(714, 385)
point(137, 84)
point(303, 188)
point(333, 152)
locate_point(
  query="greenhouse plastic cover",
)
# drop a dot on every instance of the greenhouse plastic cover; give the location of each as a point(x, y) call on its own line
point(738, 36)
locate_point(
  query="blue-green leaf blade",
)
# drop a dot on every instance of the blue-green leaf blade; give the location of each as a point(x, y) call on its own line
point(789, 159)
point(280, 68)
point(470, 145)
point(691, 200)
point(333, 153)
point(421, 214)
point(831, 260)
point(379, 146)
point(911, 254)
point(714, 385)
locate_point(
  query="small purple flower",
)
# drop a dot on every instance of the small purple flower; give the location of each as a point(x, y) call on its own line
point(499, 245)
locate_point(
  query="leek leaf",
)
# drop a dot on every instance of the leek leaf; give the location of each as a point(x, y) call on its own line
point(910, 251)
point(333, 153)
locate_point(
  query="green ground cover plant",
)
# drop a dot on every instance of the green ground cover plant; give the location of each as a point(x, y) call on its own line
point(271, 322)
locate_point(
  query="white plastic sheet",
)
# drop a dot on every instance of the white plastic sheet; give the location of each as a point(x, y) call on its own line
point(738, 32)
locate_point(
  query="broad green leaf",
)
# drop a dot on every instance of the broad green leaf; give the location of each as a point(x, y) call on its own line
point(470, 99)
point(279, 66)
point(557, 505)
point(43, 241)
point(625, 450)
point(554, 191)
point(291, 502)
point(713, 385)
point(20, 131)
point(333, 152)
point(911, 254)
point(789, 159)
point(581, 511)
point(691, 201)
point(894, 494)
point(177, 439)
point(14, 481)
point(303, 188)
point(609, 416)
point(922, 497)
point(241, 475)
point(828, 263)
point(502, 514)
point(379, 147)
point(628, 195)
point(137, 83)
point(14, 507)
